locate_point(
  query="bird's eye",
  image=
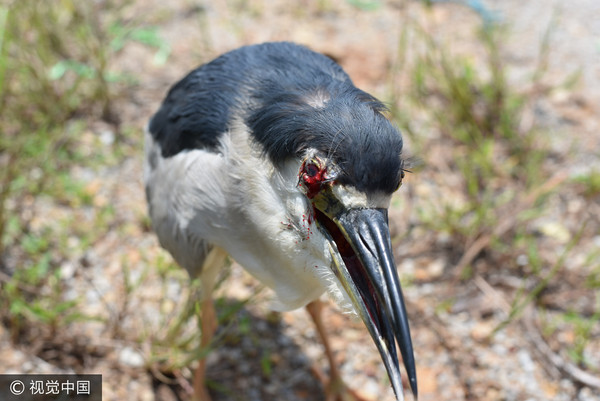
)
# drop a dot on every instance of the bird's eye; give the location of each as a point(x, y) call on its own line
point(312, 177)
point(403, 172)
point(311, 170)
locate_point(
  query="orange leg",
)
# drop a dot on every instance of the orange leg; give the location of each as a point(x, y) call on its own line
point(336, 390)
point(208, 326)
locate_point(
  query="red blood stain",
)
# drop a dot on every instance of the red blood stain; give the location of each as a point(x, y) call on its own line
point(313, 178)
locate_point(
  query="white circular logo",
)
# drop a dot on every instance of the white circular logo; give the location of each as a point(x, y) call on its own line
point(17, 387)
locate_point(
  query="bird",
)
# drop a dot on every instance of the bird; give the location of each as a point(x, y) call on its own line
point(270, 156)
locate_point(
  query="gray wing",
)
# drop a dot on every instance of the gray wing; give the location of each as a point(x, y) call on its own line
point(182, 210)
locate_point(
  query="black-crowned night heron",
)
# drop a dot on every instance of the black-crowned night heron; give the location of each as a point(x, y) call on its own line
point(270, 154)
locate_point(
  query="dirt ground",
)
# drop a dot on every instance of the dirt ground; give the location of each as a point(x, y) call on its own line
point(267, 356)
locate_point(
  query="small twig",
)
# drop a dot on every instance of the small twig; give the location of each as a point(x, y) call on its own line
point(492, 293)
point(509, 221)
point(539, 344)
point(161, 376)
point(183, 382)
point(532, 334)
point(520, 304)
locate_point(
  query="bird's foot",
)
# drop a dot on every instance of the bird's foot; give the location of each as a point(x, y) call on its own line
point(336, 389)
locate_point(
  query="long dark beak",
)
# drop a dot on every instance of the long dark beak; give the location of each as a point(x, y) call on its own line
point(368, 273)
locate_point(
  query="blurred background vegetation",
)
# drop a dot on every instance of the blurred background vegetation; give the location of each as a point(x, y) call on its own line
point(491, 196)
